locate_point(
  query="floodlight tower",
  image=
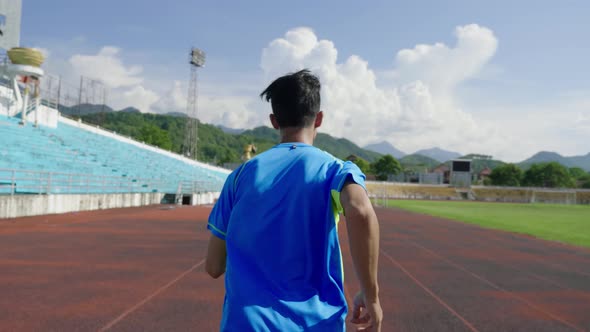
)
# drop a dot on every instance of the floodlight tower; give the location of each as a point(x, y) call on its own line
point(196, 60)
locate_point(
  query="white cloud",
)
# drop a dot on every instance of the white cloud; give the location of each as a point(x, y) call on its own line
point(413, 104)
point(415, 110)
point(231, 111)
point(173, 100)
point(126, 88)
point(107, 67)
point(443, 67)
point(561, 125)
point(138, 97)
point(123, 83)
point(226, 109)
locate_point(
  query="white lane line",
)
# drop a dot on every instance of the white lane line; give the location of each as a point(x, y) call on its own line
point(151, 296)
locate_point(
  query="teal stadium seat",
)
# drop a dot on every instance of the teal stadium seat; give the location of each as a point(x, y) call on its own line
point(84, 162)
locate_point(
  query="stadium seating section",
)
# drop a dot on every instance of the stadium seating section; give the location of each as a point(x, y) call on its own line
point(412, 191)
point(583, 197)
point(494, 194)
point(380, 190)
point(68, 159)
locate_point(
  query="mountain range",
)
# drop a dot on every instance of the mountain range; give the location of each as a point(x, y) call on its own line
point(418, 163)
point(87, 109)
point(435, 153)
point(339, 147)
point(229, 130)
point(386, 148)
point(439, 154)
point(545, 156)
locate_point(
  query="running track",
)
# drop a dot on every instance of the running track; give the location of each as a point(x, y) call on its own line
point(141, 269)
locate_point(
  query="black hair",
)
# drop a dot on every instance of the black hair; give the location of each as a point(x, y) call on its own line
point(295, 98)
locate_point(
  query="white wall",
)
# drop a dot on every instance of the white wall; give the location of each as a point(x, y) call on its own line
point(47, 116)
point(204, 198)
point(33, 205)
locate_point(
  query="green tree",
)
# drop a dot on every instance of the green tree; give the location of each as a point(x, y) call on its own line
point(549, 175)
point(580, 177)
point(506, 175)
point(577, 173)
point(363, 165)
point(385, 166)
point(153, 135)
point(584, 182)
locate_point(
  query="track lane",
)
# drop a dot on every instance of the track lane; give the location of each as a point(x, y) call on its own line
point(78, 272)
point(562, 297)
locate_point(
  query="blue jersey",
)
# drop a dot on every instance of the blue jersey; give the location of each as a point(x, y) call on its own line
point(278, 214)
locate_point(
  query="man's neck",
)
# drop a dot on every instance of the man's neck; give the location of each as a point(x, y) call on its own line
point(301, 135)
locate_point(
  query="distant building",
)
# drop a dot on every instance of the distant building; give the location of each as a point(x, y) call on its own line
point(443, 169)
point(484, 174)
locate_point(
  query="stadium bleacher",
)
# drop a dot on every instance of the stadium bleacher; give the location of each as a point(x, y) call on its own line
point(500, 194)
point(412, 191)
point(68, 159)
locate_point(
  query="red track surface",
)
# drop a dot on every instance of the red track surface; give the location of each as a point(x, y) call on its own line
point(142, 270)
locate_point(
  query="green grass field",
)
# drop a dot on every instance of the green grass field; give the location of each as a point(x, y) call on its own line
point(563, 223)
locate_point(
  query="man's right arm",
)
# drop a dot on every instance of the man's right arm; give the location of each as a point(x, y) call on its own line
point(363, 236)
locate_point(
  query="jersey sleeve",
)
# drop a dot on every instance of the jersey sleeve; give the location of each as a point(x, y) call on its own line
point(348, 171)
point(219, 217)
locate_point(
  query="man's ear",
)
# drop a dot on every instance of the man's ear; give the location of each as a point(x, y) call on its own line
point(273, 121)
point(318, 119)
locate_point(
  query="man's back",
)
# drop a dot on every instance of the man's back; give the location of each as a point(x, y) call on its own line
point(274, 228)
point(284, 268)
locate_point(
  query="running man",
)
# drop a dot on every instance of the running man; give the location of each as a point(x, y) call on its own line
point(274, 228)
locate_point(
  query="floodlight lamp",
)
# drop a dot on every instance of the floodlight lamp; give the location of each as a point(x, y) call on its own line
point(197, 57)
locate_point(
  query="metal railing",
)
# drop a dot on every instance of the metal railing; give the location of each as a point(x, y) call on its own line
point(195, 187)
point(16, 182)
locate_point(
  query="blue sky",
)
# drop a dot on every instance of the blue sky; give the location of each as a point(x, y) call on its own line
point(531, 74)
